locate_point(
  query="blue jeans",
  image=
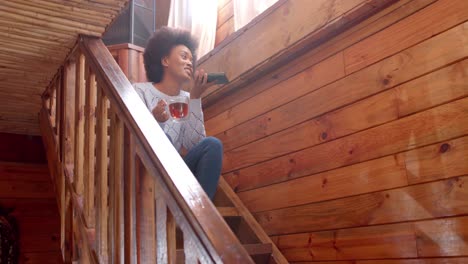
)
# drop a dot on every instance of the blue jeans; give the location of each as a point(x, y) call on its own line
point(205, 161)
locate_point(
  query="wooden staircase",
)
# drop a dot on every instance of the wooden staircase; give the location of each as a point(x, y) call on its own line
point(253, 238)
point(249, 232)
point(124, 193)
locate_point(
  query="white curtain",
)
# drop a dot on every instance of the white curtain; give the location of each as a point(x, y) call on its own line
point(246, 10)
point(197, 16)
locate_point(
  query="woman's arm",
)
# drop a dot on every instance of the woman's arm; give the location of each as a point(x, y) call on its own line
point(193, 129)
point(154, 104)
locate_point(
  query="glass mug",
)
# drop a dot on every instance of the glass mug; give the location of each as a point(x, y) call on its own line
point(178, 108)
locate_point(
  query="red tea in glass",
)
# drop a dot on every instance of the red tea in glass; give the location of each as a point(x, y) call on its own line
point(178, 108)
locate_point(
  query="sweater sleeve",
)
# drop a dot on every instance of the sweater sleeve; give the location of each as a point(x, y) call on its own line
point(149, 100)
point(193, 130)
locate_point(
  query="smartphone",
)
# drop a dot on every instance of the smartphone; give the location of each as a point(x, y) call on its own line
point(217, 77)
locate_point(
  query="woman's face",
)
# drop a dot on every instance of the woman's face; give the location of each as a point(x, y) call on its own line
point(179, 63)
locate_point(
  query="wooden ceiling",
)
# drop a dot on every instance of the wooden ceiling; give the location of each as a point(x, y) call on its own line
point(35, 38)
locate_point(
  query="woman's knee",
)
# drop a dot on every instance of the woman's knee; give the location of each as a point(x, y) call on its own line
point(214, 144)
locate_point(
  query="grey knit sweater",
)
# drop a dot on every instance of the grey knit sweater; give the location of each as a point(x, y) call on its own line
point(185, 134)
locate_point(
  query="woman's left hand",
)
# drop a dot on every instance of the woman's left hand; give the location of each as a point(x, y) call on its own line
point(200, 84)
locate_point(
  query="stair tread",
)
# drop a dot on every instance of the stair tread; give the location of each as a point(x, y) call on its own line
point(227, 211)
point(252, 249)
point(258, 249)
point(228, 196)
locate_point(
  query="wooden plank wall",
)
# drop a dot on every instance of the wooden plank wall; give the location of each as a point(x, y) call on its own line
point(225, 23)
point(21, 148)
point(357, 152)
point(26, 191)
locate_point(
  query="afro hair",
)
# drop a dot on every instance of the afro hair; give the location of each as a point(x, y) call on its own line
point(160, 45)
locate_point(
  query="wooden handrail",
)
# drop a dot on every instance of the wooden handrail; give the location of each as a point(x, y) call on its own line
point(133, 187)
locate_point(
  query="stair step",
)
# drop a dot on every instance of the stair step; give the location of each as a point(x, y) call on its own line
point(242, 230)
point(245, 226)
point(258, 249)
point(252, 249)
point(228, 211)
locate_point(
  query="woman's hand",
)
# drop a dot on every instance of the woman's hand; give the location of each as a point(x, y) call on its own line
point(159, 112)
point(199, 84)
point(183, 152)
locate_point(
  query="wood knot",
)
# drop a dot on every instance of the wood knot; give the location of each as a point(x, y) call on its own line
point(387, 79)
point(324, 135)
point(444, 148)
point(324, 182)
point(387, 195)
point(292, 161)
point(453, 182)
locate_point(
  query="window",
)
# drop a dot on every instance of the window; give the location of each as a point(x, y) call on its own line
point(201, 18)
point(246, 10)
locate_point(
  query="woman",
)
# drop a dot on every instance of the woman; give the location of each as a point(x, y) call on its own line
point(169, 62)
